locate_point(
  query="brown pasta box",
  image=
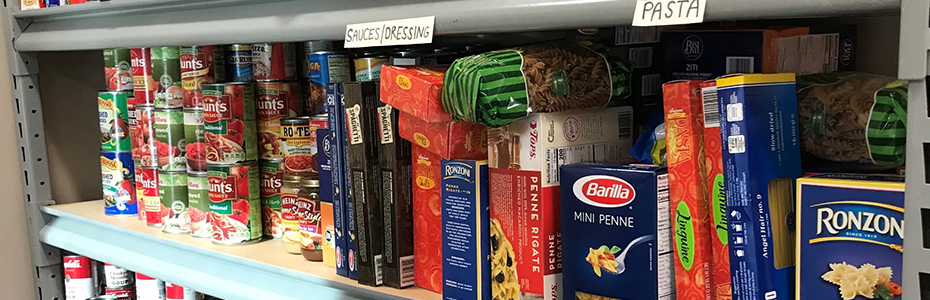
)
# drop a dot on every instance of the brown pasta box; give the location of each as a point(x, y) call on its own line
point(396, 200)
point(524, 157)
point(361, 105)
point(427, 216)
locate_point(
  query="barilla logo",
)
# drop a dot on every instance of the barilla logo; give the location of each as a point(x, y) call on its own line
point(221, 188)
point(457, 170)
point(860, 221)
point(534, 138)
point(604, 191)
point(588, 31)
point(104, 103)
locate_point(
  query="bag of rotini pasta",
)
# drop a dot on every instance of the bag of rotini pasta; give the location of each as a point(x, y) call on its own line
point(499, 87)
point(853, 117)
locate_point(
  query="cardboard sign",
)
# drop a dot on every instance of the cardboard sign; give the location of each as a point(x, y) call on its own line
point(666, 12)
point(391, 33)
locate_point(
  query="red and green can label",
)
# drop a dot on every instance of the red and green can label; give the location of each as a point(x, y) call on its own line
point(144, 144)
point(271, 173)
point(173, 194)
point(235, 207)
point(200, 65)
point(113, 109)
point(169, 132)
point(229, 120)
point(198, 199)
point(150, 199)
point(166, 71)
point(142, 83)
point(117, 69)
point(195, 150)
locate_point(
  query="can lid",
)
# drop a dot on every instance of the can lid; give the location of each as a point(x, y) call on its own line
point(292, 178)
point(314, 46)
point(309, 182)
point(102, 297)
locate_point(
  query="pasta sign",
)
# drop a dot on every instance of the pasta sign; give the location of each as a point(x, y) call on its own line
point(668, 12)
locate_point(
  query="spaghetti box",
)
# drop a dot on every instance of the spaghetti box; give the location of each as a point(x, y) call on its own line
point(396, 200)
point(710, 54)
point(525, 157)
point(416, 90)
point(761, 162)
point(342, 200)
point(328, 219)
point(361, 115)
point(716, 189)
point(616, 232)
point(449, 140)
point(851, 232)
point(427, 216)
point(466, 241)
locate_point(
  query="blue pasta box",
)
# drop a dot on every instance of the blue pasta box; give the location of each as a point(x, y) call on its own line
point(466, 240)
point(616, 232)
point(851, 232)
point(761, 157)
point(327, 218)
point(342, 201)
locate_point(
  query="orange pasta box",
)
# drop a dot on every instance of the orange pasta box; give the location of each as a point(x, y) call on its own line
point(449, 140)
point(427, 220)
point(416, 90)
point(716, 189)
point(691, 224)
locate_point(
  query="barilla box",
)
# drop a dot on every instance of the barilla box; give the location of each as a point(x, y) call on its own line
point(851, 233)
point(716, 189)
point(361, 116)
point(343, 209)
point(466, 240)
point(427, 219)
point(525, 157)
point(714, 53)
point(761, 162)
point(327, 218)
point(416, 90)
point(396, 201)
point(690, 217)
point(616, 232)
point(449, 140)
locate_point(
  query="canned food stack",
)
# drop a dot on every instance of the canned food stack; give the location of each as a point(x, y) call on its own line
point(118, 282)
point(142, 129)
point(324, 65)
point(298, 143)
point(117, 118)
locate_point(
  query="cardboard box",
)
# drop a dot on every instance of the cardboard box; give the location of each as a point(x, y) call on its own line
point(361, 115)
point(449, 140)
point(343, 208)
point(524, 158)
point(710, 54)
point(826, 49)
point(427, 216)
point(611, 211)
point(691, 223)
point(761, 161)
point(396, 201)
point(466, 264)
point(716, 189)
point(325, 141)
point(617, 36)
point(851, 232)
point(416, 90)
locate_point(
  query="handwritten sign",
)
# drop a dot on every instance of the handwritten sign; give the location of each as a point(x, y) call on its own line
point(390, 33)
point(668, 12)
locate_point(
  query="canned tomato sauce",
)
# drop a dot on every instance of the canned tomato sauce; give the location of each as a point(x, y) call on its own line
point(143, 85)
point(79, 277)
point(150, 198)
point(195, 150)
point(149, 288)
point(239, 63)
point(169, 132)
point(229, 120)
point(198, 198)
point(117, 70)
point(200, 65)
point(273, 61)
point(119, 191)
point(117, 277)
point(166, 71)
point(113, 110)
point(177, 292)
point(298, 142)
point(138, 181)
point(173, 196)
point(234, 203)
point(325, 67)
point(270, 175)
point(276, 100)
point(144, 144)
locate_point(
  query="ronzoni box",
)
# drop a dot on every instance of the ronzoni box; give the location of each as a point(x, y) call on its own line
point(465, 238)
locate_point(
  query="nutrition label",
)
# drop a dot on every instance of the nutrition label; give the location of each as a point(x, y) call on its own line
point(665, 266)
point(558, 156)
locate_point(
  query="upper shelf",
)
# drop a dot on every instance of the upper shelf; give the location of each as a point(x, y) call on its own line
point(140, 23)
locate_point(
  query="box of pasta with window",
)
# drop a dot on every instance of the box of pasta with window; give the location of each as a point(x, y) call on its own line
point(466, 241)
point(616, 233)
point(851, 232)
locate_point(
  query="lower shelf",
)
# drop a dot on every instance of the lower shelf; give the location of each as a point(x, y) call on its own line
point(257, 271)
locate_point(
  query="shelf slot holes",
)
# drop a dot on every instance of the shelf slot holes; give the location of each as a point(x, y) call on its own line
point(925, 225)
point(17, 106)
point(26, 177)
point(924, 280)
point(23, 152)
point(927, 163)
point(28, 198)
point(20, 129)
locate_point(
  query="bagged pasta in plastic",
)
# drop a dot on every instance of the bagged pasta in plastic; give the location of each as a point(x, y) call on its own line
point(853, 117)
point(499, 87)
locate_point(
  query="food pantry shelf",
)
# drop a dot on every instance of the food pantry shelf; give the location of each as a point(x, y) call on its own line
point(230, 21)
point(257, 271)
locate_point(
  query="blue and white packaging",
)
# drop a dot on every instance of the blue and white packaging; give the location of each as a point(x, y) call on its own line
point(466, 266)
point(342, 201)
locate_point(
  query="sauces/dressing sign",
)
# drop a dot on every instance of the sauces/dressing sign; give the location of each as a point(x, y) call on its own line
point(390, 33)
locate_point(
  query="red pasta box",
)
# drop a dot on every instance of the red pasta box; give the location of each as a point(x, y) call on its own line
point(416, 90)
point(716, 189)
point(691, 225)
point(449, 140)
point(427, 220)
point(525, 156)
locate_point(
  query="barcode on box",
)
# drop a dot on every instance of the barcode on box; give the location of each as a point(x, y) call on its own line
point(711, 107)
point(736, 144)
point(557, 157)
point(406, 270)
point(379, 270)
point(641, 57)
point(651, 84)
point(625, 35)
point(740, 64)
point(625, 121)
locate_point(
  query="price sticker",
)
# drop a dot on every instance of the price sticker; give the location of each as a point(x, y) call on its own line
point(668, 12)
point(390, 33)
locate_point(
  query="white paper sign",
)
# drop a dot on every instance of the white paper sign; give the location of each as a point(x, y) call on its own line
point(390, 33)
point(668, 12)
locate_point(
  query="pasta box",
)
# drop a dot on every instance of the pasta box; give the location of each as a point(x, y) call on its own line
point(427, 219)
point(616, 232)
point(416, 90)
point(466, 241)
point(327, 219)
point(709, 54)
point(761, 162)
point(525, 157)
point(450, 140)
point(716, 189)
point(343, 209)
point(851, 232)
point(396, 201)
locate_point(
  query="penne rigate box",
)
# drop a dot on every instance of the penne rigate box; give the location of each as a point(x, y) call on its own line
point(851, 232)
point(466, 242)
point(762, 159)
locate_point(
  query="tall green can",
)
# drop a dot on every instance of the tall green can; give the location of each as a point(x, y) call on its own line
point(198, 199)
point(113, 109)
point(172, 187)
point(171, 143)
point(166, 71)
point(194, 136)
point(117, 70)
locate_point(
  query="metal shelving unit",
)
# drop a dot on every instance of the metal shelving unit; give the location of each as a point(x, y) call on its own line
point(249, 271)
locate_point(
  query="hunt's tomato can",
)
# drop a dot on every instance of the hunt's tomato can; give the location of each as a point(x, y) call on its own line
point(117, 69)
point(113, 109)
point(143, 85)
point(198, 199)
point(195, 150)
point(166, 71)
point(119, 191)
point(270, 176)
point(79, 277)
point(177, 292)
point(235, 205)
point(117, 277)
point(149, 288)
point(275, 100)
point(239, 63)
point(229, 121)
point(123, 293)
point(144, 144)
point(173, 195)
point(273, 61)
point(169, 132)
point(150, 196)
point(325, 67)
point(199, 65)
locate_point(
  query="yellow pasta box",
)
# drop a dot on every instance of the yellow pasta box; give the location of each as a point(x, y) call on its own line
point(716, 189)
point(851, 232)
